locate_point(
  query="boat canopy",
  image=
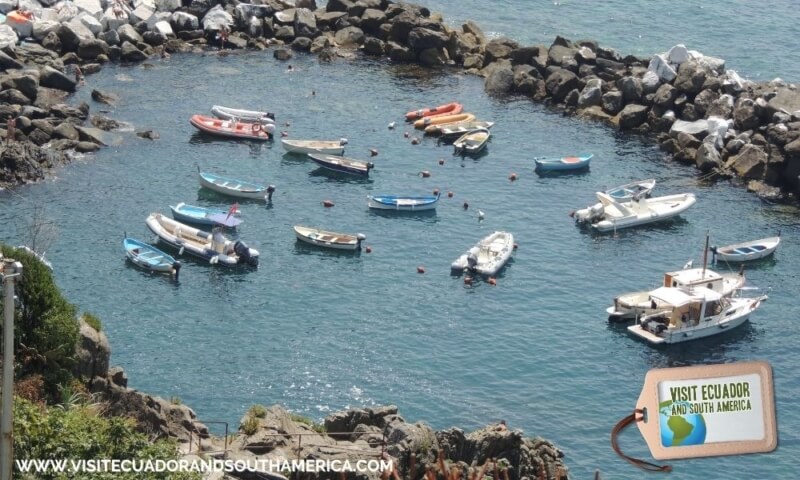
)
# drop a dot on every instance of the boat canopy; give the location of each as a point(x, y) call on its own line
point(677, 297)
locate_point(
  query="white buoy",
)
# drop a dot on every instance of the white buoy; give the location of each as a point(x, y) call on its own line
point(391, 126)
point(481, 214)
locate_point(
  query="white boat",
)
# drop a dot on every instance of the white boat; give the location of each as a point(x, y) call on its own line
point(488, 256)
point(682, 316)
point(743, 252)
point(211, 246)
point(324, 238)
point(632, 190)
point(403, 203)
point(609, 215)
point(330, 147)
point(235, 187)
point(248, 116)
point(472, 142)
point(631, 305)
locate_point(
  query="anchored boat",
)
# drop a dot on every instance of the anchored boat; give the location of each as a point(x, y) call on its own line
point(743, 252)
point(324, 238)
point(609, 214)
point(232, 128)
point(488, 256)
point(150, 258)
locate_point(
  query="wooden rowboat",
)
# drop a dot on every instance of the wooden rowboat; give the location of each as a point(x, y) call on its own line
point(324, 238)
point(446, 109)
point(544, 164)
point(340, 164)
point(330, 147)
point(234, 187)
point(746, 251)
point(403, 203)
point(149, 257)
point(472, 142)
point(232, 128)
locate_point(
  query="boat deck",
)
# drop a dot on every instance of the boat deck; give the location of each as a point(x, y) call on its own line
point(642, 333)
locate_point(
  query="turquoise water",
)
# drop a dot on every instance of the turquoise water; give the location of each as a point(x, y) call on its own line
point(319, 331)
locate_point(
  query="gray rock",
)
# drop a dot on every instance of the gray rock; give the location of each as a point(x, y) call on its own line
point(374, 46)
point(471, 27)
point(496, 50)
point(585, 55)
point(524, 55)
point(500, 81)
point(650, 83)
point(372, 19)
point(525, 79)
point(52, 41)
point(558, 53)
point(665, 96)
point(28, 85)
point(282, 53)
point(559, 83)
point(92, 353)
point(118, 376)
point(285, 32)
point(339, 5)
point(302, 44)
point(90, 134)
point(89, 49)
point(111, 37)
point(691, 77)
point(71, 34)
point(631, 88)
point(686, 140)
point(592, 94)
point(750, 163)
point(8, 63)
point(104, 123)
point(612, 102)
point(129, 34)
point(721, 107)
point(130, 53)
point(632, 116)
point(698, 128)
point(321, 43)
point(51, 78)
point(350, 37)
point(148, 134)
point(103, 97)
point(432, 57)
point(473, 61)
point(400, 53)
point(305, 23)
point(422, 39)
point(745, 116)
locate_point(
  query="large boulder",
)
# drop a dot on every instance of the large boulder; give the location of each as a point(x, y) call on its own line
point(143, 13)
point(665, 96)
point(91, 49)
point(612, 102)
point(71, 33)
point(350, 37)
point(698, 128)
point(632, 116)
point(592, 94)
point(423, 38)
point(498, 49)
point(182, 21)
point(51, 78)
point(129, 34)
point(27, 84)
point(92, 354)
point(500, 80)
point(372, 19)
point(559, 83)
point(631, 88)
point(42, 28)
point(745, 115)
point(400, 53)
point(131, 53)
point(707, 157)
point(691, 77)
point(305, 23)
point(750, 163)
point(216, 19)
point(8, 37)
point(721, 107)
point(660, 66)
point(432, 57)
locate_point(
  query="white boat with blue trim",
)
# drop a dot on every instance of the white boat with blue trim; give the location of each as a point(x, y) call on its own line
point(744, 252)
point(404, 203)
point(150, 258)
point(330, 147)
point(324, 238)
point(235, 187)
point(206, 216)
point(247, 116)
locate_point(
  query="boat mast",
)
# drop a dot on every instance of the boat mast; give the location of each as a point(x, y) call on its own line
point(705, 258)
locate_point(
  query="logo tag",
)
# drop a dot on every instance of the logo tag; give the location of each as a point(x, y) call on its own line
point(708, 410)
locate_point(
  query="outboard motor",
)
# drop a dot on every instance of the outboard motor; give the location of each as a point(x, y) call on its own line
point(176, 270)
point(243, 252)
point(269, 128)
point(472, 262)
point(360, 237)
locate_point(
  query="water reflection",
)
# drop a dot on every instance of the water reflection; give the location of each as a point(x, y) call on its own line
point(330, 175)
point(723, 347)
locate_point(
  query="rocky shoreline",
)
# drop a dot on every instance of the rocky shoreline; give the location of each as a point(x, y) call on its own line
point(700, 113)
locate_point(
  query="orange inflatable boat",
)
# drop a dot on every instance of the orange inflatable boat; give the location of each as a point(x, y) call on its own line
point(231, 129)
point(446, 109)
point(440, 119)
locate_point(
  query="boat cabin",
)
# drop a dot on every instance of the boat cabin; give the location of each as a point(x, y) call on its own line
point(695, 277)
point(677, 308)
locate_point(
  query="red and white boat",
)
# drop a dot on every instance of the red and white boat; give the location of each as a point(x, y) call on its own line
point(232, 128)
point(453, 108)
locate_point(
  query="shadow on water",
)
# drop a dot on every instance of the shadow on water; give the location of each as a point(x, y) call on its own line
point(712, 349)
point(220, 200)
point(580, 172)
point(422, 215)
point(256, 147)
point(330, 175)
point(303, 248)
point(669, 225)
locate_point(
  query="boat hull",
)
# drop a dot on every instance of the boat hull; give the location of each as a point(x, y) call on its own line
point(681, 204)
point(490, 254)
point(304, 147)
point(423, 123)
point(745, 252)
point(326, 239)
point(446, 109)
point(340, 164)
point(563, 163)
point(230, 129)
point(403, 204)
point(148, 257)
point(203, 216)
point(232, 187)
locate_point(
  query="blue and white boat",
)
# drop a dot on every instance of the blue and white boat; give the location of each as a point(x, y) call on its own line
point(235, 187)
point(403, 203)
point(206, 216)
point(341, 164)
point(149, 257)
point(632, 190)
point(743, 252)
point(545, 164)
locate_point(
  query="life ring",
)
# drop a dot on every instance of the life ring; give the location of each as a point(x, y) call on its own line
point(256, 128)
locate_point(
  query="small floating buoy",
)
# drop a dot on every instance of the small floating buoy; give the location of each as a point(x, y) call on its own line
point(467, 280)
point(420, 269)
point(406, 134)
point(481, 214)
point(287, 124)
point(441, 161)
point(284, 133)
point(512, 177)
point(425, 174)
point(327, 203)
point(516, 245)
point(313, 93)
point(391, 126)
point(368, 249)
point(436, 191)
point(492, 281)
point(466, 205)
point(373, 152)
point(415, 141)
point(449, 194)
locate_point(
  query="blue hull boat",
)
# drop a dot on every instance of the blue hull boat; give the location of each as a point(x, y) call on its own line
point(149, 257)
point(341, 164)
point(545, 164)
point(404, 204)
point(205, 216)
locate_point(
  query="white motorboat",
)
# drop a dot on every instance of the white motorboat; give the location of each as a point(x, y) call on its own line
point(682, 316)
point(608, 214)
point(631, 305)
point(488, 256)
point(743, 252)
point(211, 246)
point(330, 147)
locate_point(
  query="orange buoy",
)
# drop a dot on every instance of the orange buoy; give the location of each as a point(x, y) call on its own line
point(368, 249)
point(373, 152)
point(420, 269)
point(449, 194)
point(415, 141)
point(425, 174)
point(406, 134)
point(467, 280)
point(441, 161)
point(436, 191)
point(516, 245)
point(512, 177)
point(466, 205)
point(492, 281)
point(327, 203)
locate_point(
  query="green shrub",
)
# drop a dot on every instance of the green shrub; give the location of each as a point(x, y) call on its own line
point(317, 427)
point(92, 321)
point(258, 411)
point(250, 426)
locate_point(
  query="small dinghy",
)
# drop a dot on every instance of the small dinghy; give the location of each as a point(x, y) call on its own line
point(446, 109)
point(743, 252)
point(149, 257)
point(632, 190)
point(402, 203)
point(323, 238)
point(472, 142)
point(211, 246)
point(248, 116)
point(206, 216)
point(341, 164)
point(609, 215)
point(233, 128)
point(488, 256)
point(454, 130)
point(545, 164)
point(234, 187)
point(330, 147)
point(443, 119)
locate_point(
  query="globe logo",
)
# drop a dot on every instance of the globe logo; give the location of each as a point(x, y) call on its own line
point(679, 426)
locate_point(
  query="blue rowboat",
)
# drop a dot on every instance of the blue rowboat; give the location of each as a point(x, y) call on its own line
point(149, 257)
point(341, 164)
point(205, 216)
point(234, 187)
point(402, 203)
point(545, 164)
